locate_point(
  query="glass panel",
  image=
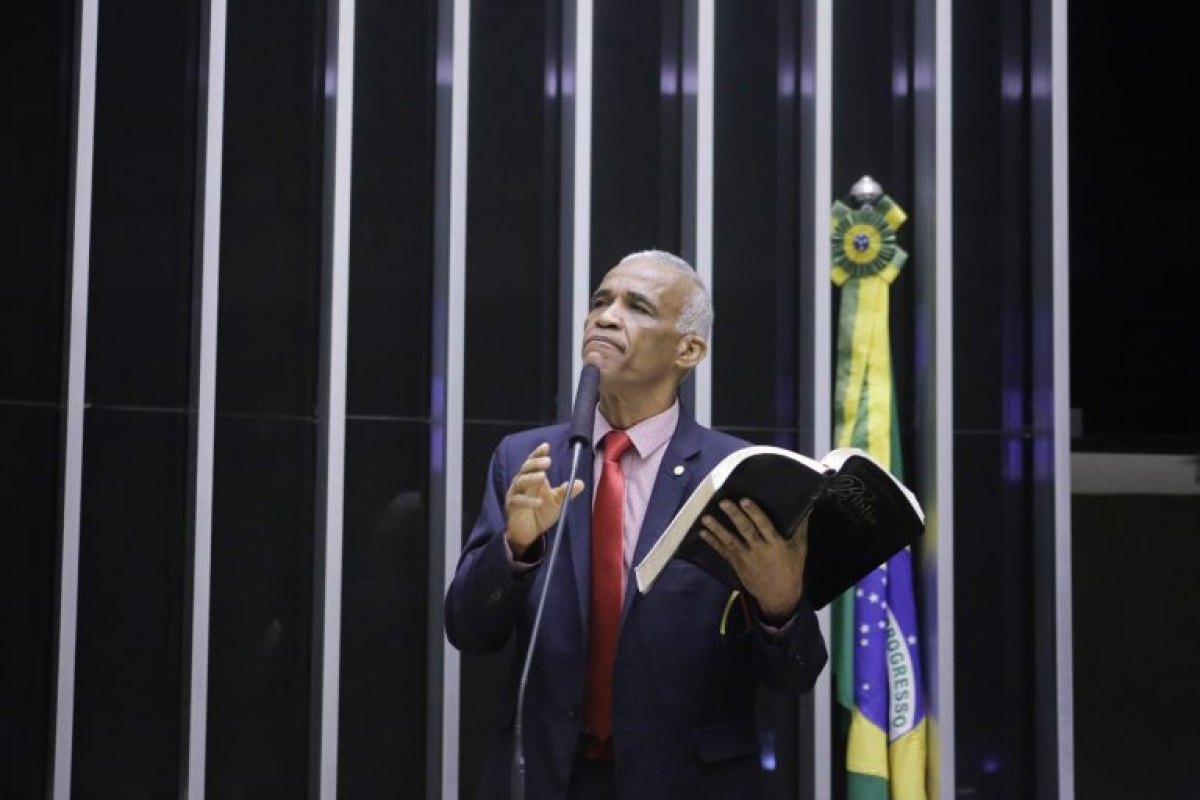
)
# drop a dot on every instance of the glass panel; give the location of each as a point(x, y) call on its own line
point(995, 530)
point(36, 78)
point(391, 248)
point(385, 577)
point(35, 160)
point(271, 203)
point(262, 615)
point(260, 647)
point(513, 211)
point(993, 655)
point(1129, 182)
point(130, 645)
point(756, 286)
point(143, 207)
point(135, 511)
point(29, 566)
point(636, 130)
point(384, 682)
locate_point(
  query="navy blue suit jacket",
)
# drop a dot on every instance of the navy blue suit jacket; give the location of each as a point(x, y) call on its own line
point(683, 693)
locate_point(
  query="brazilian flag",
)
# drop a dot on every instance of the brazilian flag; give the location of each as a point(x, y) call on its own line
point(876, 642)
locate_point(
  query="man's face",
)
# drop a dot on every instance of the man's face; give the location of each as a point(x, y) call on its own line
point(630, 332)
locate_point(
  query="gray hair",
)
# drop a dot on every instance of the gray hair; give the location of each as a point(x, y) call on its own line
point(696, 316)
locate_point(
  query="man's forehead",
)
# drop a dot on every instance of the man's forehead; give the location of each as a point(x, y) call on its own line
point(641, 276)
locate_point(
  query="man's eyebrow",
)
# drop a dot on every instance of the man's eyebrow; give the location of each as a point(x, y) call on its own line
point(638, 297)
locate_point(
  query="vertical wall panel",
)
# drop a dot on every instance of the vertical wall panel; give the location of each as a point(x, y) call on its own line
point(385, 589)
point(265, 442)
point(637, 129)
point(513, 210)
point(995, 465)
point(134, 524)
point(512, 272)
point(756, 227)
point(36, 75)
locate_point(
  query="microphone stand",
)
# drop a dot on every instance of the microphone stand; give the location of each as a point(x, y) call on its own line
point(582, 419)
point(518, 766)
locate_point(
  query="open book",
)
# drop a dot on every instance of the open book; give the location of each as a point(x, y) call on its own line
point(861, 516)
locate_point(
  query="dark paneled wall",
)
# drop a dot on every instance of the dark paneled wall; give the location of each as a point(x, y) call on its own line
point(133, 645)
point(35, 203)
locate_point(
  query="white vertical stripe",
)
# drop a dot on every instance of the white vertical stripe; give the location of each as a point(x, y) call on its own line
point(205, 394)
point(1062, 412)
point(581, 222)
point(706, 43)
point(942, 685)
point(72, 461)
point(820, 168)
point(447, 409)
point(334, 391)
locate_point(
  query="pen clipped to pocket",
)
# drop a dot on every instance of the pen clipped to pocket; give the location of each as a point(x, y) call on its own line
point(735, 619)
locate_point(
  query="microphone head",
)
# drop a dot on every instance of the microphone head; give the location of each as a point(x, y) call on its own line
point(583, 413)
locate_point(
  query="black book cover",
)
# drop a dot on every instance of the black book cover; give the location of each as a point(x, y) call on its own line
point(861, 517)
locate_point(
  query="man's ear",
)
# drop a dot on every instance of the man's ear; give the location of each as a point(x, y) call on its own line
point(690, 351)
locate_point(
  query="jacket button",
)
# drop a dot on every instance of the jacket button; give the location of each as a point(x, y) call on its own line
point(572, 714)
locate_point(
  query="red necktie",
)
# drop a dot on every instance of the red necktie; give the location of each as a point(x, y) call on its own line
point(608, 562)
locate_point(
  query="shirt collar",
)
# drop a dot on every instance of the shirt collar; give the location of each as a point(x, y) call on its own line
point(648, 435)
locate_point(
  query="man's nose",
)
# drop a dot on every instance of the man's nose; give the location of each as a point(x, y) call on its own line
point(610, 316)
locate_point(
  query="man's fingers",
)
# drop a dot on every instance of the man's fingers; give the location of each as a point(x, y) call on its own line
point(744, 522)
point(728, 540)
point(763, 527)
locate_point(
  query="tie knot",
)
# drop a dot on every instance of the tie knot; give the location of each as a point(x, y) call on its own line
point(615, 443)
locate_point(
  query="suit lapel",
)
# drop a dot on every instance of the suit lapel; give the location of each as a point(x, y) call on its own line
point(674, 480)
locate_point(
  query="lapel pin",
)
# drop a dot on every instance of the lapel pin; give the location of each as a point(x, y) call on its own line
point(679, 469)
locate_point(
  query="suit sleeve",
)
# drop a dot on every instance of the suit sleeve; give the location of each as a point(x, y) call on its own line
point(486, 596)
point(791, 662)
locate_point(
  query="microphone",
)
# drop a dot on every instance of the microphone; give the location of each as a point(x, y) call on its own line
point(582, 421)
point(586, 396)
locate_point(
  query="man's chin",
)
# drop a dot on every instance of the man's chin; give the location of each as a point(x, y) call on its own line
point(600, 355)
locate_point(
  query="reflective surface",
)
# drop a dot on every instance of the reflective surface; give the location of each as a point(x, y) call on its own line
point(996, 533)
point(260, 642)
point(130, 656)
point(384, 685)
point(136, 520)
point(385, 585)
point(756, 259)
point(34, 267)
point(513, 213)
point(636, 130)
point(268, 333)
point(512, 282)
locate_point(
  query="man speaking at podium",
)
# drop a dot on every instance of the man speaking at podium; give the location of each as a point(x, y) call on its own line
point(629, 696)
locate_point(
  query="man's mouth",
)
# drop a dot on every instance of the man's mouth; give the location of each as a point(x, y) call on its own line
point(604, 340)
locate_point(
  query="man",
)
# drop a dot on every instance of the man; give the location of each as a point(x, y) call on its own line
point(664, 707)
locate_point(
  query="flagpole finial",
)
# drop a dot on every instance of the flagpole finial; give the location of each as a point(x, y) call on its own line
point(866, 191)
